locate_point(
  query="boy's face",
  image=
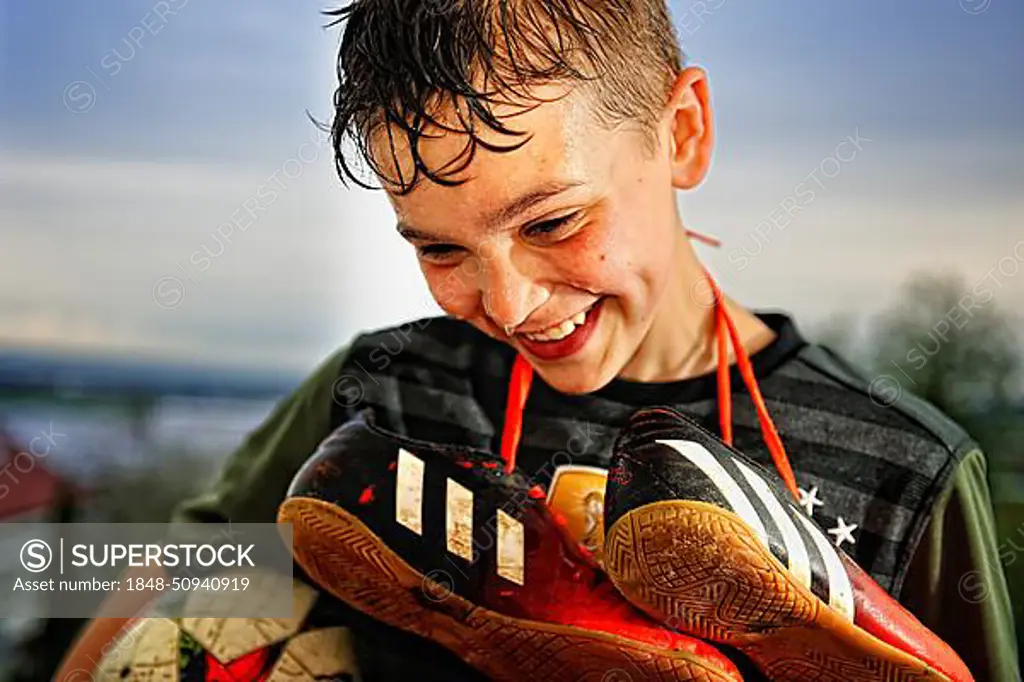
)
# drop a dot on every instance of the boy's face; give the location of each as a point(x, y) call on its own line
point(562, 248)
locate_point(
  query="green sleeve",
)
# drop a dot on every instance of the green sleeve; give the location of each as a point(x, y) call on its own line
point(955, 583)
point(256, 477)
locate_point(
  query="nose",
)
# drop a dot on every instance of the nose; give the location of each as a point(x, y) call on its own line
point(509, 294)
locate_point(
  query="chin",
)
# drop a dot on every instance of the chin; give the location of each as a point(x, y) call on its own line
point(574, 380)
point(589, 371)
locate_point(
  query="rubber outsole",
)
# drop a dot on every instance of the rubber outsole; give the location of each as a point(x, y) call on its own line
point(701, 570)
point(347, 559)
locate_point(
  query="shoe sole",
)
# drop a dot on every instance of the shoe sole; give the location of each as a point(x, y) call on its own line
point(347, 559)
point(732, 590)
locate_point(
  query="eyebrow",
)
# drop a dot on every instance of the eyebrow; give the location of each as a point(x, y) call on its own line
point(519, 204)
point(412, 234)
point(528, 200)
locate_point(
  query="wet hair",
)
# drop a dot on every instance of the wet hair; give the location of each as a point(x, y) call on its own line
point(418, 68)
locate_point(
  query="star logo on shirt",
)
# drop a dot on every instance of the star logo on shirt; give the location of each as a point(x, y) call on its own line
point(843, 532)
point(809, 500)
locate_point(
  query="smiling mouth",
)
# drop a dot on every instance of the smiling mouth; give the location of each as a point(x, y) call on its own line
point(563, 329)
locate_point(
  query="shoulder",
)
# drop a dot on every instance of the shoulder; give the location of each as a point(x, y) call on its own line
point(876, 416)
point(884, 456)
point(881, 399)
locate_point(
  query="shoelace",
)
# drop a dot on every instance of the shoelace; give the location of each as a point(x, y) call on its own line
point(724, 326)
point(725, 333)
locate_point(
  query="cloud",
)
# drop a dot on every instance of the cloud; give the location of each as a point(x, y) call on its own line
point(94, 241)
point(93, 238)
point(80, 330)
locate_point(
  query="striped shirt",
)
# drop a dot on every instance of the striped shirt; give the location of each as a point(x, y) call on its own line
point(895, 484)
point(875, 468)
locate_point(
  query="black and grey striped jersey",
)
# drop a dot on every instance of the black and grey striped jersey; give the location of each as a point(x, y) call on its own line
point(868, 471)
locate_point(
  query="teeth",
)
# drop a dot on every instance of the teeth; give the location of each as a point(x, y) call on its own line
point(561, 330)
point(565, 328)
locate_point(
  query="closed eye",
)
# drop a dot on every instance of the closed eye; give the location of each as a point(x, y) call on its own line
point(553, 227)
point(439, 253)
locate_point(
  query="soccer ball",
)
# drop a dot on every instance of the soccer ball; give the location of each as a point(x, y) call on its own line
point(308, 647)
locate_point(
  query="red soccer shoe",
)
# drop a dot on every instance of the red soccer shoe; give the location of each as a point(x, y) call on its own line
point(449, 544)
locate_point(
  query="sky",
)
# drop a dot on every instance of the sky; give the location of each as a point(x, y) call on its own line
point(857, 143)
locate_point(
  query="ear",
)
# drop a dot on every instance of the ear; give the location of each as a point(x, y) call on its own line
point(690, 128)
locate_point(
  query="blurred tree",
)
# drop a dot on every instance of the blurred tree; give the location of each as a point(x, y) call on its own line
point(840, 332)
point(950, 344)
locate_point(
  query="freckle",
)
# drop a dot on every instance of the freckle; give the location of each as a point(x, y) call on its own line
point(603, 257)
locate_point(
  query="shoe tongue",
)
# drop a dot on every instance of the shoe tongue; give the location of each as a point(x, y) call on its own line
point(575, 500)
point(660, 422)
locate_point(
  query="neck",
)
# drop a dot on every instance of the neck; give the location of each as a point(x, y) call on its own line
point(680, 343)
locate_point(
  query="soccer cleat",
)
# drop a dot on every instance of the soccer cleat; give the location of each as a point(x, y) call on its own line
point(710, 543)
point(306, 647)
point(448, 544)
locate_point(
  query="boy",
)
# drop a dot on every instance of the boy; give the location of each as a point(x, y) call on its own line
point(532, 152)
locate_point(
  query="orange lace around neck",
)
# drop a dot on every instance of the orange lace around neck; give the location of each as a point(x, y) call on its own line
point(725, 334)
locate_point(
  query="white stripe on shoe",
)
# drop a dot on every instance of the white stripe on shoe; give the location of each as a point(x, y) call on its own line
point(511, 549)
point(840, 592)
point(723, 480)
point(796, 551)
point(459, 526)
point(459, 520)
point(409, 491)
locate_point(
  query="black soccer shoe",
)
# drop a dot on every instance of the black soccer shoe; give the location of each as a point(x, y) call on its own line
point(711, 543)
